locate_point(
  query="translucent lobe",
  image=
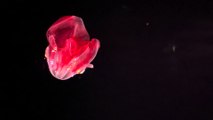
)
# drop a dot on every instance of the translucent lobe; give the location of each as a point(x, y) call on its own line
point(70, 50)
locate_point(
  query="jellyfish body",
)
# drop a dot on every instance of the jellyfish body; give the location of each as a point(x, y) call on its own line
point(70, 49)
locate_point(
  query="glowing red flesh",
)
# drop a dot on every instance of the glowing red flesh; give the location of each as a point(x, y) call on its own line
point(70, 50)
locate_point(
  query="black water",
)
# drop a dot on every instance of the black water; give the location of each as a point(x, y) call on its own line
point(155, 62)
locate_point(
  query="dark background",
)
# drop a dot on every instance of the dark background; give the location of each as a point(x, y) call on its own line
point(155, 61)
